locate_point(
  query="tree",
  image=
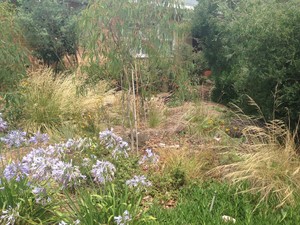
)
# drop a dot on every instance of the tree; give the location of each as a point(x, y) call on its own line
point(253, 48)
point(49, 29)
point(118, 34)
point(12, 52)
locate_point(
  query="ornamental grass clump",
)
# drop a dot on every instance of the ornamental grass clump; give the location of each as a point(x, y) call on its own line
point(51, 101)
point(268, 162)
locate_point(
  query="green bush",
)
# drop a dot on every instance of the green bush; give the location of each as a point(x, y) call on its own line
point(253, 49)
point(49, 29)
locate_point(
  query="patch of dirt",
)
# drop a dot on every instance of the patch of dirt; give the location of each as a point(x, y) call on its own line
point(173, 130)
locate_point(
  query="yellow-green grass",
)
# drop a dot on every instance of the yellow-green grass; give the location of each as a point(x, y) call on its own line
point(52, 101)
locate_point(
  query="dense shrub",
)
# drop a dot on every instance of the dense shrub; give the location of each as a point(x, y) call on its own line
point(49, 29)
point(253, 48)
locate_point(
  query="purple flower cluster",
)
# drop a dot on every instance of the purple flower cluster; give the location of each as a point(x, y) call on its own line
point(3, 124)
point(41, 196)
point(150, 158)
point(103, 172)
point(78, 144)
point(14, 138)
point(124, 219)
point(114, 142)
point(66, 174)
point(45, 164)
point(15, 171)
point(140, 182)
point(40, 162)
point(39, 138)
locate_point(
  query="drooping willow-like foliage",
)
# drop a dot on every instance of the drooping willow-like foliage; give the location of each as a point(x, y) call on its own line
point(12, 53)
point(115, 33)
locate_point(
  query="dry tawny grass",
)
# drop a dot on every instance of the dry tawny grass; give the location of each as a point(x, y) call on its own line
point(194, 163)
point(50, 100)
point(269, 163)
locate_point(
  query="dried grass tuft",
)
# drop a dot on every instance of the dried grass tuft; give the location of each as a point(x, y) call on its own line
point(269, 163)
point(51, 101)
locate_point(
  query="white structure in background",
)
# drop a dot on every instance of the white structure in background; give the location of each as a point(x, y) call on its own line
point(190, 4)
point(141, 53)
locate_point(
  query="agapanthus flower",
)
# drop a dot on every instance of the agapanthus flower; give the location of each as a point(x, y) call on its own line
point(66, 174)
point(10, 215)
point(14, 138)
point(103, 171)
point(124, 219)
point(62, 223)
point(77, 144)
point(40, 163)
point(139, 182)
point(114, 142)
point(39, 138)
point(149, 158)
point(41, 196)
point(3, 124)
point(76, 222)
point(16, 171)
point(120, 150)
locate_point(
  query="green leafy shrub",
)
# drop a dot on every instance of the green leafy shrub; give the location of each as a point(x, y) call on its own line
point(49, 29)
point(253, 49)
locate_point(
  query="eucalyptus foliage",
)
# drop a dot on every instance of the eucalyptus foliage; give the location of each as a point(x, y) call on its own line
point(12, 53)
point(118, 33)
point(253, 48)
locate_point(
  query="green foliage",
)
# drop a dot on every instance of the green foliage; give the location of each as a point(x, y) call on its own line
point(253, 49)
point(18, 196)
point(12, 53)
point(194, 203)
point(49, 29)
point(48, 103)
point(123, 36)
point(102, 206)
